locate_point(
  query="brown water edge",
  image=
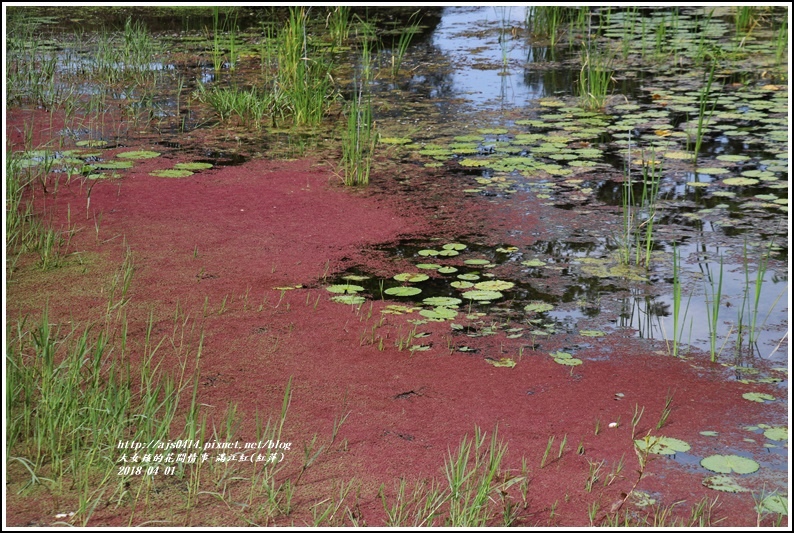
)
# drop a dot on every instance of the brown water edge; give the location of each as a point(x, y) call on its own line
point(233, 234)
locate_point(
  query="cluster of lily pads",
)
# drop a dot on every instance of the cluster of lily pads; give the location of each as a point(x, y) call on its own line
point(722, 464)
point(91, 164)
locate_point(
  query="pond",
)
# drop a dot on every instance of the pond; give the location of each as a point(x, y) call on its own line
point(590, 172)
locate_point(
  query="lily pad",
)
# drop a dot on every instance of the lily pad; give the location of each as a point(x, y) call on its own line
point(439, 313)
point(462, 284)
point(349, 299)
point(193, 166)
point(480, 295)
point(476, 261)
point(395, 140)
point(171, 173)
point(725, 464)
point(538, 307)
point(454, 246)
point(775, 503)
point(138, 154)
point(428, 252)
point(564, 358)
point(91, 143)
point(447, 270)
point(503, 362)
point(723, 484)
point(759, 397)
point(112, 165)
point(428, 266)
point(662, 445)
point(494, 285)
point(533, 263)
point(469, 277)
point(740, 181)
point(777, 433)
point(403, 291)
point(591, 333)
point(444, 301)
point(345, 289)
point(355, 277)
point(411, 277)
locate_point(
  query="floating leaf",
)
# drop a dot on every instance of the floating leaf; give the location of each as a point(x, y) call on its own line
point(469, 277)
point(462, 284)
point(476, 261)
point(419, 348)
point(350, 299)
point(193, 166)
point(288, 288)
point(507, 250)
point(112, 165)
point(355, 277)
point(725, 464)
point(343, 289)
point(723, 484)
point(411, 277)
point(403, 291)
point(740, 181)
point(533, 263)
point(439, 313)
point(444, 301)
point(91, 143)
point(447, 270)
point(428, 266)
point(709, 433)
point(777, 433)
point(426, 253)
point(494, 285)
point(538, 307)
point(759, 397)
point(591, 333)
point(662, 445)
point(138, 154)
point(503, 362)
point(775, 503)
point(395, 140)
point(479, 295)
point(454, 246)
point(449, 253)
point(171, 173)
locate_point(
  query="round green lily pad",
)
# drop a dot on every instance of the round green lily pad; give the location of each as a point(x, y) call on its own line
point(454, 246)
point(138, 154)
point(428, 266)
point(193, 166)
point(725, 464)
point(469, 277)
point(112, 165)
point(662, 445)
point(476, 261)
point(494, 285)
point(428, 252)
point(403, 291)
point(774, 503)
point(533, 263)
point(740, 181)
point(462, 284)
point(759, 397)
point(723, 484)
point(538, 307)
point(91, 143)
point(777, 433)
point(411, 277)
point(591, 333)
point(447, 270)
point(482, 295)
point(349, 299)
point(439, 313)
point(344, 289)
point(444, 301)
point(171, 173)
point(449, 253)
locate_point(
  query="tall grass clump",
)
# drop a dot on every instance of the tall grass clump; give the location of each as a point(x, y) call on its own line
point(400, 47)
point(713, 309)
point(704, 114)
point(338, 24)
point(358, 139)
point(595, 78)
point(549, 21)
point(304, 74)
point(639, 211)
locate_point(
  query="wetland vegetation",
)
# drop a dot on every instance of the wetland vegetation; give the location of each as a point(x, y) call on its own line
point(638, 159)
